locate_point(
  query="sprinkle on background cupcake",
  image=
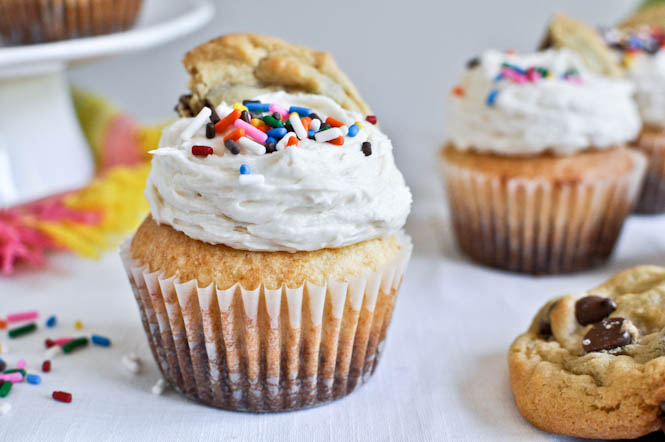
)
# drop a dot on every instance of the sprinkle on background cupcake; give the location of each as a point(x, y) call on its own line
point(538, 176)
point(267, 273)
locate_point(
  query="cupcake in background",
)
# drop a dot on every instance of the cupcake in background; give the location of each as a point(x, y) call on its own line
point(40, 21)
point(267, 273)
point(538, 176)
point(641, 51)
point(632, 50)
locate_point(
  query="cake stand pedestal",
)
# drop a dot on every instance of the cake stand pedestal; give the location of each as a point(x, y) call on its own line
point(42, 148)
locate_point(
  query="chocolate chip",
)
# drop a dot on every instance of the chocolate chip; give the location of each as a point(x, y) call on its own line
point(3, 366)
point(592, 309)
point(475, 61)
point(271, 147)
point(367, 148)
point(244, 116)
point(313, 116)
point(214, 117)
point(544, 325)
point(606, 335)
point(277, 116)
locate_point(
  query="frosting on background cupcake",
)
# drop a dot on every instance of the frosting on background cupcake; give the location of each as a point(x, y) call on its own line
point(314, 195)
point(514, 104)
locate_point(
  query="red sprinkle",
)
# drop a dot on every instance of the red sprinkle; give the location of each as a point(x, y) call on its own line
point(62, 396)
point(49, 343)
point(46, 366)
point(3, 324)
point(201, 151)
point(372, 119)
point(339, 141)
point(293, 141)
point(334, 123)
point(458, 90)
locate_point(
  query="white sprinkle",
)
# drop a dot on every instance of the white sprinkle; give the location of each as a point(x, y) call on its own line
point(221, 109)
point(160, 387)
point(328, 135)
point(251, 179)
point(4, 408)
point(315, 124)
point(281, 145)
point(4, 347)
point(132, 363)
point(298, 128)
point(196, 124)
point(251, 146)
point(52, 352)
point(345, 130)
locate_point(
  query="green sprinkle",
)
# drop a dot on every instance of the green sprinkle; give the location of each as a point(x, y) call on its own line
point(272, 121)
point(4, 389)
point(15, 370)
point(74, 344)
point(19, 331)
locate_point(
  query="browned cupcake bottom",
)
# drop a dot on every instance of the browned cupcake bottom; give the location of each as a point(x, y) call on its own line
point(266, 350)
point(37, 21)
point(541, 216)
point(651, 142)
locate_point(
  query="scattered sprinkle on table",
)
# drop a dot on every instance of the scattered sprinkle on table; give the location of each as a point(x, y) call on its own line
point(159, 387)
point(62, 396)
point(51, 321)
point(46, 366)
point(132, 363)
point(5, 388)
point(23, 330)
point(33, 379)
point(78, 325)
point(74, 344)
point(23, 316)
point(101, 341)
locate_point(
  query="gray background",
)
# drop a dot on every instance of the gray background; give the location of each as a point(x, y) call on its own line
point(403, 56)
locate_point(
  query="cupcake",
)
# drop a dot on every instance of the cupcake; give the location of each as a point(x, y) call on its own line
point(538, 176)
point(267, 272)
point(641, 52)
point(38, 21)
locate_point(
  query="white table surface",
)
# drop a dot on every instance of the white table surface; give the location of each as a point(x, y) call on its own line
point(443, 375)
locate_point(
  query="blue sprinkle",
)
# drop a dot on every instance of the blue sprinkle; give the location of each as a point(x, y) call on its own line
point(258, 107)
point(270, 140)
point(302, 111)
point(498, 77)
point(277, 132)
point(353, 130)
point(491, 98)
point(51, 321)
point(310, 133)
point(102, 341)
point(245, 170)
point(33, 379)
point(517, 69)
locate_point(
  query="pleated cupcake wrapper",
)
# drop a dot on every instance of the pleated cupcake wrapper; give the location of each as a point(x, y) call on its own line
point(267, 350)
point(36, 21)
point(535, 226)
point(652, 196)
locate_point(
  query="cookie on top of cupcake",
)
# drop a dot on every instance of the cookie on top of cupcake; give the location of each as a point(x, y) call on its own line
point(538, 176)
point(267, 271)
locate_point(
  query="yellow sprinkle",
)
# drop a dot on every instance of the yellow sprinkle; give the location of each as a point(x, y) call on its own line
point(255, 122)
point(239, 106)
point(359, 124)
point(78, 325)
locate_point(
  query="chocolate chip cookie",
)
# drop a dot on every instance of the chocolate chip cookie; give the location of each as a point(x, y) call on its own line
point(593, 364)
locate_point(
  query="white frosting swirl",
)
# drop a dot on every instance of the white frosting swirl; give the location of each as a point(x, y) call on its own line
point(549, 115)
point(315, 195)
point(648, 73)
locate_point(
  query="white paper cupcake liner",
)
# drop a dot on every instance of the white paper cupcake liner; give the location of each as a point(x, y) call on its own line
point(652, 196)
point(267, 350)
point(536, 226)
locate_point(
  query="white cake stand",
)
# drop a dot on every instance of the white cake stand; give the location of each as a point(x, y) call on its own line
point(42, 148)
